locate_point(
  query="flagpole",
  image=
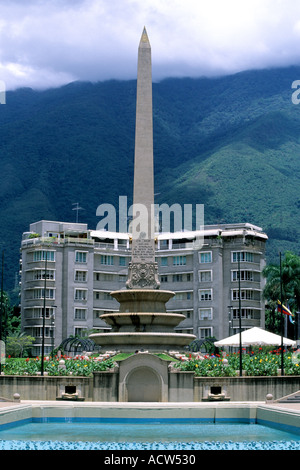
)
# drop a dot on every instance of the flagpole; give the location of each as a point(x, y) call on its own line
point(281, 318)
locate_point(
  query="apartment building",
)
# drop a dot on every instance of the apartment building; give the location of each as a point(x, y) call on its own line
point(68, 272)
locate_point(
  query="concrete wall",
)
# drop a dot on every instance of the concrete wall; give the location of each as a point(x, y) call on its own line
point(106, 385)
point(44, 387)
point(182, 387)
point(247, 388)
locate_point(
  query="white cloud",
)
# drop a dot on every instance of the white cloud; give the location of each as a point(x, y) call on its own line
point(47, 43)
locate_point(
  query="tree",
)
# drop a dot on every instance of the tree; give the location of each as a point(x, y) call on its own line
point(17, 343)
point(288, 283)
point(11, 317)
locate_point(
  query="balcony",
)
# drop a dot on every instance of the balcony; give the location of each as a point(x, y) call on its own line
point(53, 241)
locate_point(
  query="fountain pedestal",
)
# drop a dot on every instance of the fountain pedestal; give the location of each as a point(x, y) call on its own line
point(142, 323)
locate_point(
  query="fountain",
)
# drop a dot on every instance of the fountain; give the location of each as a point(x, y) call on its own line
point(142, 322)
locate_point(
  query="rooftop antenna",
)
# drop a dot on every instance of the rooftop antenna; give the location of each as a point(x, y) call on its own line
point(77, 208)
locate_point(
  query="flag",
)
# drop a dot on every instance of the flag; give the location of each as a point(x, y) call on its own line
point(283, 308)
point(291, 318)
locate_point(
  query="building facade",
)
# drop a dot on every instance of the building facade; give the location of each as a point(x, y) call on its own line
point(68, 272)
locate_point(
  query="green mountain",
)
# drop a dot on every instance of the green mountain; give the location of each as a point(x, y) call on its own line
point(231, 143)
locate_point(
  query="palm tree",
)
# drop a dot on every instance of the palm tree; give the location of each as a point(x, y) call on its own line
point(290, 285)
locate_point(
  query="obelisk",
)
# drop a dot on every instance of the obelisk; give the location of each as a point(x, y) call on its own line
point(143, 273)
point(142, 321)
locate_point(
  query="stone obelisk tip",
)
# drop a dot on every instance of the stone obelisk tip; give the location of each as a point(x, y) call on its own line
point(144, 39)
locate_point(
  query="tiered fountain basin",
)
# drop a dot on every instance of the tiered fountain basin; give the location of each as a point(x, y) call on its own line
point(142, 323)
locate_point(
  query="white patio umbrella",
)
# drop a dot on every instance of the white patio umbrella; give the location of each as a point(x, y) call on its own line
point(255, 336)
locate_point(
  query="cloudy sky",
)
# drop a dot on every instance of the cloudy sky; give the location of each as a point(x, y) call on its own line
point(46, 43)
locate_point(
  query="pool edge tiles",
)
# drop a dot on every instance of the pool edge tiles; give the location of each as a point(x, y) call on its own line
point(209, 412)
point(121, 411)
point(15, 413)
point(279, 418)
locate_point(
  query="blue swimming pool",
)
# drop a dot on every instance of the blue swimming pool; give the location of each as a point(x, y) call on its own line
point(145, 436)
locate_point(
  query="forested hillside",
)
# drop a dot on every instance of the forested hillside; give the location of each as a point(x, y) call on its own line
point(231, 143)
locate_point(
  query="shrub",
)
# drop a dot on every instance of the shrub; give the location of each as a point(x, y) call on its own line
point(259, 364)
point(81, 366)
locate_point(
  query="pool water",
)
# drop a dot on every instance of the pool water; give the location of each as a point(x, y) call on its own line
point(72, 435)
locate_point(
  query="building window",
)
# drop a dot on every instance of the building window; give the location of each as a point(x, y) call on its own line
point(108, 277)
point(80, 314)
point(183, 296)
point(39, 274)
point(164, 244)
point(246, 294)
point(39, 294)
point(163, 278)
point(107, 260)
point(80, 294)
point(205, 257)
point(81, 276)
point(179, 260)
point(164, 261)
point(101, 295)
point(42, 255)
point(245, 275)
point(244, 256)
point(205, 294)
point(245, 313)
point(80, 256)
point(205, 313)
point(205, 276)
point(79, 331)
point(37, 332)
point(204, 333)
point(122, 261)
point(177, 278)
point(38, 312)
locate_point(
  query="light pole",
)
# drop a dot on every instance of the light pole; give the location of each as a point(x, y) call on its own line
point(229, 319)
point(281, 319)
point(53, 328)
point(297, 327)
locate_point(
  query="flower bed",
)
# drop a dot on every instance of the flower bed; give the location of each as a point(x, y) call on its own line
point(81, 366)
point(253, 364)
point(258, 363)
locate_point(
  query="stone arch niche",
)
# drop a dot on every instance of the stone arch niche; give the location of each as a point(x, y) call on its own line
point(143, 377)
point(143, 384)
